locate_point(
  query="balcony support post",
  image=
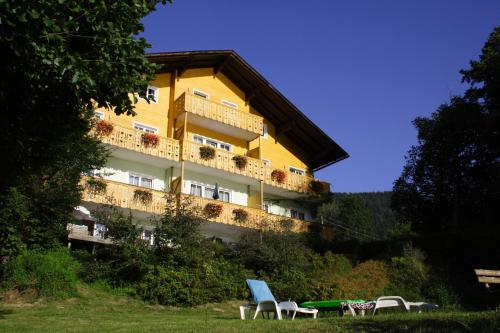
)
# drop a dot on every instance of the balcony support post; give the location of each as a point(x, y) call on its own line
point(261, 194)
point(171, 108)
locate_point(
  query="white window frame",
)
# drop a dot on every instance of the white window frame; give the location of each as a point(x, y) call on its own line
point(212, 187)
point(156, 94)
point(201, 94)
point(141, 177)
point(265, 133)
point(229, 104)
point(99, 115)
point(298, 213)
point(218, 142)
point(293, 169)
point(144, 127)
point(267, 163)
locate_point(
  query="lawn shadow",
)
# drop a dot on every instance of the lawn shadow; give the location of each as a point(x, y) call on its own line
point(401, 325)
point(4, 312)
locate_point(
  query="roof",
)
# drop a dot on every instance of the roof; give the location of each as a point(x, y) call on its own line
point(262, 96)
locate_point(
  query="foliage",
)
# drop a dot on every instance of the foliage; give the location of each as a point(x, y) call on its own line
point(214, 281)
point(207, 153)
point(240, 161)
point(145, 197)
point(365, 281)
point(451, 177)
point(278, 176)
point(104, 128)
point(51, 273)
point(212, 210)
point(317, 187)
point(60, 60)
point(149, 140)
point(348, 217)
point(96, 186)
point(240, 215)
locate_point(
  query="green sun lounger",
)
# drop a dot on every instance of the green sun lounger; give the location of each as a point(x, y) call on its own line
point(331, 305)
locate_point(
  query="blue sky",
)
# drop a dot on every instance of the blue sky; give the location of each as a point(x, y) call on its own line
point(361, 70)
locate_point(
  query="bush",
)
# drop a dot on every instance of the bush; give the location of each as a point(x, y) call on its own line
point(52, 273)
point(367, 281)
point(214, 281)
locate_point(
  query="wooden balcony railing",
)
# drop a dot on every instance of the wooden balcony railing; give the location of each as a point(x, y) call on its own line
point(223, 160)
point(292, 182)
point(256, 218)
point(188, 102)
point(124, 196)
point(131, 139)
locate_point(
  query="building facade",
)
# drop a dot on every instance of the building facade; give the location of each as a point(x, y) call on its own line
point(212, 123)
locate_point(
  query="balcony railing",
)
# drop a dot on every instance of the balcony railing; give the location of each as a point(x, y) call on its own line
point(188, 102)
point(126, 196)
point(131, 139)
point(256, 218)
point(223, 160)
point(123, 196)
point(292, 182)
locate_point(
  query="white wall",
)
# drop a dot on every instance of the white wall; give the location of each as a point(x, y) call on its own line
point(118, 170)
point(279, 206)
point(238, 192)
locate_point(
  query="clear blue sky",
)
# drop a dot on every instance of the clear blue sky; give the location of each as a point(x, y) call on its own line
point(361, 70)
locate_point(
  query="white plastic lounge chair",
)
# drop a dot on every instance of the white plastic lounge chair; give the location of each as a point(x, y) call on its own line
point(291, 306)
point(263, 298)
point(398, 301)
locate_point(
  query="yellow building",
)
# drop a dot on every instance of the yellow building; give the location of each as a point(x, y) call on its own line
point(213, 121)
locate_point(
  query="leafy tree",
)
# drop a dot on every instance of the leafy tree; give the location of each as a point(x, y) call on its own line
point(60, 59)
point(451, 178)
point(349, 218)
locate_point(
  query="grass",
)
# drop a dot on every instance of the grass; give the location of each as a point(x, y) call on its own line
point(97, 310)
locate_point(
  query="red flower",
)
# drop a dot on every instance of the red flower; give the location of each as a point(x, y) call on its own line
point(104, 128)
point(278, 176)
point(150, 139)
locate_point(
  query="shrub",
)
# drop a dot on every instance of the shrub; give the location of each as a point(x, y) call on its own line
point(96, 186)
point(240, 215)
point(214, 281)
point(278, 176)
point(212, 210)
point(207, 153)
point(149, 139)
point(143, 196)
point(367, 281)
point(104, 128)
point(240, 161)
point(408, 276)
point(52, 273)
point(318, 187)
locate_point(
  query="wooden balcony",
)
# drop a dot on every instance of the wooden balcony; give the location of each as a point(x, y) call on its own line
point(292, 182)
point(238, 124)
point(131, 139)
point(82, 232)
point(125, 196)
point(256, 219)
point(223, 160)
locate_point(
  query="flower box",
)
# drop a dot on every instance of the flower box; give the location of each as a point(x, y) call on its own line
point(240, 161)
point(104, 128)
point(278, 176)
point(240, 215)
point(318, 187)
point(96, 186)
point(207, 153)
point(143, 196)
point(149, 140)
point(212, 210)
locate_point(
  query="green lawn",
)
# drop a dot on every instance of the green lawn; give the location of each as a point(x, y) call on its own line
point(99, 311)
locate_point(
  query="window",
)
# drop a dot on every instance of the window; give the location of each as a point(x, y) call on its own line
point(208, 192)
point(201, 93)
point(138, 180)
point(211, 142)
point(267, 163)
point(145, 128)
point(297, 171)
point(266, 207)
point(147, 235)
point(230, 104)
point(264, 134)
point(196, 190)
point(99, 115)
point(295, 214)
point(152, 93)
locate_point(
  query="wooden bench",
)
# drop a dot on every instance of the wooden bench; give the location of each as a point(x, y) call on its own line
point(488, 277)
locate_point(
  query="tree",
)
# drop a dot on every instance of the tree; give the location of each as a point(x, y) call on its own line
point(60, 60)
point(451, 178)
point(349, 218)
